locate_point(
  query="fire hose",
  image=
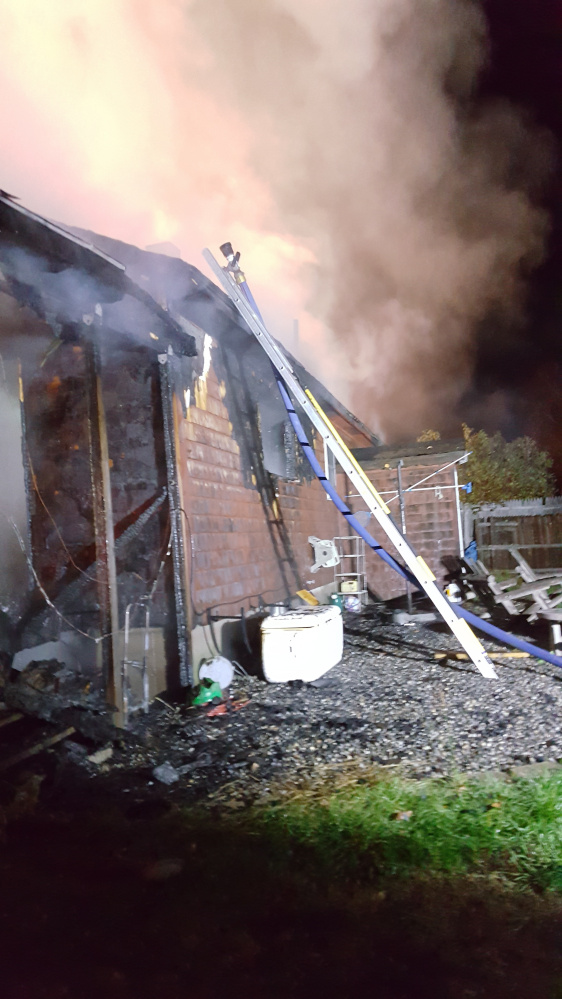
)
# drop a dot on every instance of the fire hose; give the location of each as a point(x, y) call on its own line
point(472, 619)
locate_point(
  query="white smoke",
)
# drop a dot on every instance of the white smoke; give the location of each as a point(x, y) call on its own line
point(415, 199)
point(339, 146)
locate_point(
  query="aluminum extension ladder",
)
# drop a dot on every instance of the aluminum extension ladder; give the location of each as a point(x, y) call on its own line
point(232, 279)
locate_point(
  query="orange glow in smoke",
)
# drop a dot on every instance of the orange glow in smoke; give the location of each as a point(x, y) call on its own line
point(328, 141)
point(106, 125)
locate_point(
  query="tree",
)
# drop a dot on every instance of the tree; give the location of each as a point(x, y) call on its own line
point(428, 435)
point(500, 470)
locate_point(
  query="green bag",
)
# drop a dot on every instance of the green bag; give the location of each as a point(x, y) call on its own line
point(207, 691)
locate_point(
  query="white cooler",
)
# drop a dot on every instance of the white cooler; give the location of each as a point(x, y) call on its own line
point(301, 644)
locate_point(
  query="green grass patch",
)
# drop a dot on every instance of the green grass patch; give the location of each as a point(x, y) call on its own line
point(121, 902)
point(398, 827)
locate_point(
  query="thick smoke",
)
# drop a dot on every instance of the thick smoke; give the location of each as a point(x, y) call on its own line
point(418, 201)
point(339, 145)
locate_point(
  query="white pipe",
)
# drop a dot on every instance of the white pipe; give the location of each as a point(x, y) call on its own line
point(458, 505)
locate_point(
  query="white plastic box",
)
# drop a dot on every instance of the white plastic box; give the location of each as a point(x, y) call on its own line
point(301, 644)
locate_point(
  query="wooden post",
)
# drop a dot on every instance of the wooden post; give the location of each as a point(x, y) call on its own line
point(181, 578)
point(28, 483)
point(402, 504)
point(186, 537)
point(458, 509)
point(104, 537)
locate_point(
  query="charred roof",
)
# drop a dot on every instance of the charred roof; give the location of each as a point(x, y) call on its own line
point(190, 294)
point(412, 453)
point(63, 278)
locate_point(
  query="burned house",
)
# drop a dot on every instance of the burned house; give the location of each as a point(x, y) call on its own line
point(155, 496)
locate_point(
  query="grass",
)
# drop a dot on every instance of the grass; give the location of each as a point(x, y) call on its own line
point(320, 894)
point(398, 827)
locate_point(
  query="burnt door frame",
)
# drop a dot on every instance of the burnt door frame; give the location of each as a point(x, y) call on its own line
point(181, 570)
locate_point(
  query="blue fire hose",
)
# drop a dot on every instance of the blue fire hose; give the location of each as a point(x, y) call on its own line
point(489, 629)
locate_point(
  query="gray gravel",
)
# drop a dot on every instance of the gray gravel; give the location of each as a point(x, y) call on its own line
point(389, 703)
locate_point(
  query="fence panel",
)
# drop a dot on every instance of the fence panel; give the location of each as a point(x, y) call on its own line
point(534, 526)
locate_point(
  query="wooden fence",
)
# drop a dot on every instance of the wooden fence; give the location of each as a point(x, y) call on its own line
point(534, 526)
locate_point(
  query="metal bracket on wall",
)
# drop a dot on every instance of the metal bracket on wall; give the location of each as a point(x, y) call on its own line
point(325, 554)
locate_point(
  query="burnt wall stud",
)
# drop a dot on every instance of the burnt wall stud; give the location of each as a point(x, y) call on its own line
point(104, 536)
point(29, 492)
point(177, 529)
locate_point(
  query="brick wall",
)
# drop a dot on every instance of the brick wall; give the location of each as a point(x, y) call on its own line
point(247, 541)
point(250, 533)
point(431, 523)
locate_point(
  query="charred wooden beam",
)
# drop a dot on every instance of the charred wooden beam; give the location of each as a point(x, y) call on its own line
point(104, 535)
point(182, 603)
point(36, 748)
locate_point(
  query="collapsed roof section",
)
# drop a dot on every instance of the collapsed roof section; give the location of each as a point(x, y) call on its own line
point(67, 280)
point(190, 294)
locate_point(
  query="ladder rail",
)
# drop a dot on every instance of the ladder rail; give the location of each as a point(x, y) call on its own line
point(350, 466)
point(312, 409)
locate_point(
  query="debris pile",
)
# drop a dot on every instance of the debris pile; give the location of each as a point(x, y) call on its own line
point(389, 705)
point(55, 693)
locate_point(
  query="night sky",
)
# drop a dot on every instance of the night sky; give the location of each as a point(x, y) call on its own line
point(524, 367)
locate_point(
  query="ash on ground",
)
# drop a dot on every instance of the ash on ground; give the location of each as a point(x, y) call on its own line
point(389, 704)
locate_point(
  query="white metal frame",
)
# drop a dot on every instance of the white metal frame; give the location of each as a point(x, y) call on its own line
point(419, 488)
point(355, 570)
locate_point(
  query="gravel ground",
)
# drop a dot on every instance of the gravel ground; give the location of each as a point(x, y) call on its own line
point(388, 704)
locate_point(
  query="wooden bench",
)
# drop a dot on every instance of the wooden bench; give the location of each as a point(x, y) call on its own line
point(533, 594)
